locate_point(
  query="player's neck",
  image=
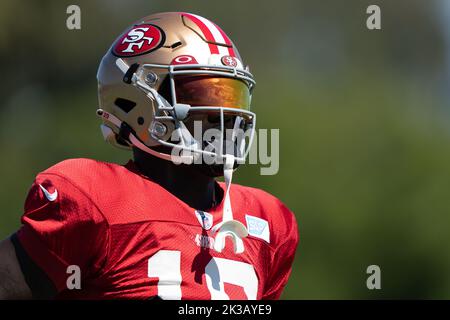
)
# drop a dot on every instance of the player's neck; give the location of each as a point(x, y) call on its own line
point(185, 182)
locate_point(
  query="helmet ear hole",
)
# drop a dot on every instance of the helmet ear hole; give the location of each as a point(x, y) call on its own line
point(125, 104)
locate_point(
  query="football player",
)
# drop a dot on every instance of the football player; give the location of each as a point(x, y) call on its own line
point(172, 89)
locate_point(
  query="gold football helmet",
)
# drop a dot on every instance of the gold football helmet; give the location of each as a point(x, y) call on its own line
point(165, 73)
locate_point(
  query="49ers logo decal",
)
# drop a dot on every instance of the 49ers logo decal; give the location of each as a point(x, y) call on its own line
point(229, 61)
point(140, 39)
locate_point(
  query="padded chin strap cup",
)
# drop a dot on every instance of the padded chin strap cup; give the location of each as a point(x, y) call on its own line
point(229, 227)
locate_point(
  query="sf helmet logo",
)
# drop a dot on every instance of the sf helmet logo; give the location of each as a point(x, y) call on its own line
point(136, 37)
point(139, 40)
point(229, 61)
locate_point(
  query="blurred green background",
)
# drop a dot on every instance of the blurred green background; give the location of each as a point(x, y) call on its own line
point(363, 115)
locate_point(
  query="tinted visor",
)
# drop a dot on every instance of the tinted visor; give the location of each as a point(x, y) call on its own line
point(211, 90)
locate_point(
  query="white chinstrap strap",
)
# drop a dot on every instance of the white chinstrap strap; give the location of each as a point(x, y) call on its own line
point(229, 227)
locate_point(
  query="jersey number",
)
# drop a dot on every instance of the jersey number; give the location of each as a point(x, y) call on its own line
point(166, 265)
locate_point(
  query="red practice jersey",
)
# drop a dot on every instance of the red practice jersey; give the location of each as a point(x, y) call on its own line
point(133, 239)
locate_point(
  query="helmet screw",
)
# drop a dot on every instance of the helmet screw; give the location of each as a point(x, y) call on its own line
point(158, 129)
point(151, 78)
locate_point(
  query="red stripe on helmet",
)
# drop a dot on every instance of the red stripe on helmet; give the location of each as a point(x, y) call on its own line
point(206, 32)
point(227, 41)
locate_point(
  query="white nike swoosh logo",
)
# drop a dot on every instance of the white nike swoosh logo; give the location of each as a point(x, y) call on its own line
point(48, 195)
